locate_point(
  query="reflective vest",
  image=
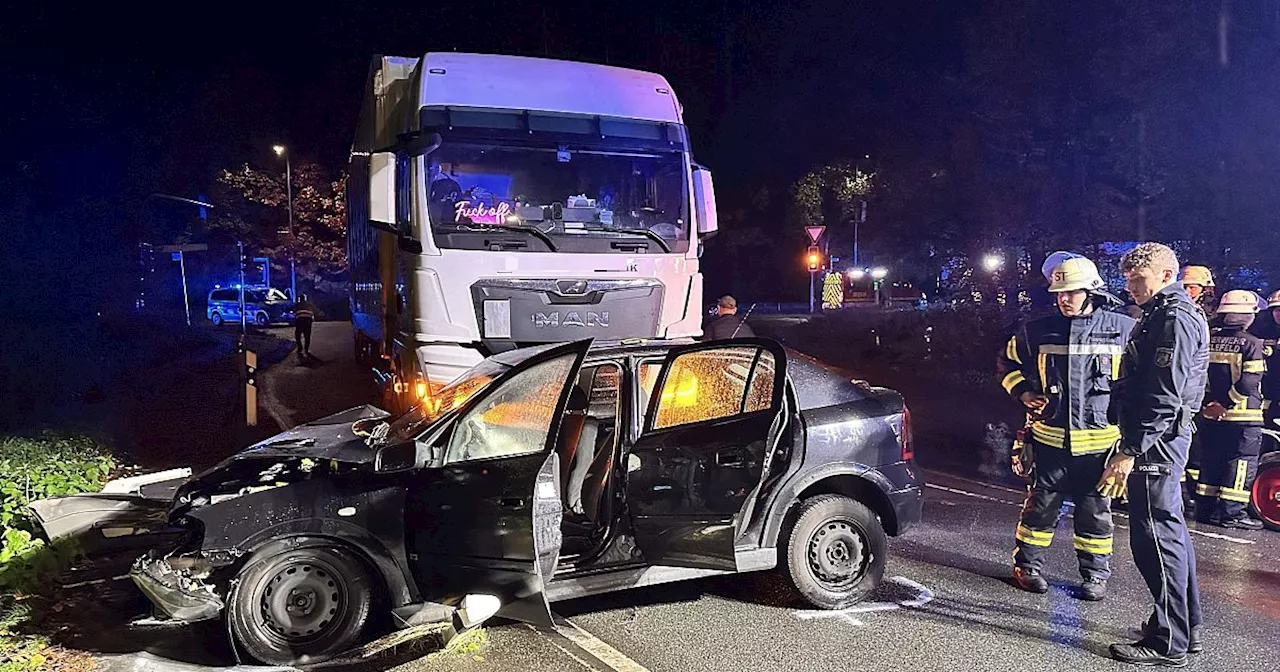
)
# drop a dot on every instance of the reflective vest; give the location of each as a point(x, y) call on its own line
point(1073, 361)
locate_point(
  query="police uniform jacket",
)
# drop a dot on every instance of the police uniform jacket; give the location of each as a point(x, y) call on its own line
point(1162, 378)
point(1073, 361)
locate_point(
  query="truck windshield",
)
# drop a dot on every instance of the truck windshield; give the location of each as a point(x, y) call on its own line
point(558, 192)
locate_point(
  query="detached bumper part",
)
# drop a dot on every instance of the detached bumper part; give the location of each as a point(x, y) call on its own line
point(908, 506)
point(176, 593)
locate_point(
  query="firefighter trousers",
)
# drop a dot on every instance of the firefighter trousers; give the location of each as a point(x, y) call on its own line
point(1163, 552)
point(1059, 475)
point(1228, 465)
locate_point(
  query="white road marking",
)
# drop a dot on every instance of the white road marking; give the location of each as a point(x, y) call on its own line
point(923, 597)
point(542, 633)
point(602, 652)
point(1121, 514)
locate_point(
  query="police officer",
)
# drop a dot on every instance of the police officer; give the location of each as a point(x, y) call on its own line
point(1161, 387)
point(1232, 428)
point(304, 315)
point(1060, 367)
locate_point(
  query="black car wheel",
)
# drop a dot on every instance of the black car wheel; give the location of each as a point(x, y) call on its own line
point(216, 319)
point(301, 606)
point(262, 319)
point(836, 551)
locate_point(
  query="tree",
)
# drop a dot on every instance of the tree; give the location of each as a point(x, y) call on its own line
point(253, 207)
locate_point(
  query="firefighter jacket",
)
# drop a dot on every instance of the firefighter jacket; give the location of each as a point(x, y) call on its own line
point(1268, 332)
point(1072, 361)
point(1236, 366)
point(1162, 378)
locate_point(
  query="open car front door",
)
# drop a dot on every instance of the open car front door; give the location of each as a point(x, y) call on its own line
point(486, 520)
point(706, 446)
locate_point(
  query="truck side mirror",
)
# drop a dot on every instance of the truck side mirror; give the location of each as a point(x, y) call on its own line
point(382, 191)
point(704, 197)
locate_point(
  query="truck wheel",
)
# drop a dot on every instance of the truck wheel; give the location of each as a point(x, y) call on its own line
point(836, 551)
point(216, 319)
point(301, 606)
point(1266, 492)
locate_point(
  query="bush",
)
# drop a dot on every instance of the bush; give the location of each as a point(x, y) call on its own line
point(39, 468)
point(32, 469)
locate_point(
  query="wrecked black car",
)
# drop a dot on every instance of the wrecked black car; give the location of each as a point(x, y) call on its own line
point(542, 474)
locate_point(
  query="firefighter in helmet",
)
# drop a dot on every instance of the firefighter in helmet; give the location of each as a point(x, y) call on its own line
point(1198, 281)
point(1060, 368)
point(1231, 429)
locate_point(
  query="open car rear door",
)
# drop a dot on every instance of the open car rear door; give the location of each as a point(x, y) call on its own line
point(695, 472)
point(487, 521)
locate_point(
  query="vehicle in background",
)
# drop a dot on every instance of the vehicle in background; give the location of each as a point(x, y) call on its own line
point(498, 201)
point(263, 306)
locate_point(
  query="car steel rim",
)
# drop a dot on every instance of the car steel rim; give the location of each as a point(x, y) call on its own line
point(1266, 495)
point(303, 602)
point(838, 556)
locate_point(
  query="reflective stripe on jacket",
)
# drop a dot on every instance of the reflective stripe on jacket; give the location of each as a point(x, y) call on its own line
point(1073, 361)
point(1236, 367)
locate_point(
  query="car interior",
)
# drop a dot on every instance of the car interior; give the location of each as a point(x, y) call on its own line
point(586, 447)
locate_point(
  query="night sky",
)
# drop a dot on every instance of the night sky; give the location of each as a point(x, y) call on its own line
point(105, 105)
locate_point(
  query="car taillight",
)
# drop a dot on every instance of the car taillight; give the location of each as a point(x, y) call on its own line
point(908, 449)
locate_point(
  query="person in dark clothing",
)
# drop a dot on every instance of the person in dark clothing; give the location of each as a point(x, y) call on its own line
point(1060, 368)
point(304, 315)
point(1163, 374)
point(726, 323)
point(1231, 425)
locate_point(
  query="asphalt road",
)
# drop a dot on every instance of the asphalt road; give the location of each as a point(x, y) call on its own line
point(946, 603)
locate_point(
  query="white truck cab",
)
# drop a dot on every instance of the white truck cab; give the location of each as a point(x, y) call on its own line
point(501, 201)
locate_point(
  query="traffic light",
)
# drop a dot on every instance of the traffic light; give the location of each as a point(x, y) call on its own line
point(814, 257)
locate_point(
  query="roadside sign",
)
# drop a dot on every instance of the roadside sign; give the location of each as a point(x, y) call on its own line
point(176, 256)
point(815, 232)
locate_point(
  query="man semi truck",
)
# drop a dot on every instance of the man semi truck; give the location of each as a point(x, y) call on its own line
point(499, 201)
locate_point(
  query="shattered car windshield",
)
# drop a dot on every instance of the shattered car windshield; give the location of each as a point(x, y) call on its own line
point(449, 398)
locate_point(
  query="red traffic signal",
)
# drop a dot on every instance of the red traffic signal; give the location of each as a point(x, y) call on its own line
point(814, 257)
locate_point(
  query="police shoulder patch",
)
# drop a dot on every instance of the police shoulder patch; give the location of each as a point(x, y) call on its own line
point(1164, 357)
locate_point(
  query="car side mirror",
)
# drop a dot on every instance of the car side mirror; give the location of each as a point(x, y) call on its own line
point(401, 456)
point(704, 196)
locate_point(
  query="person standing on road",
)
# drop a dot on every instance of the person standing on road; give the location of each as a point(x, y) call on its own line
point(726, 323)
point(1269, 331)
point(1060, 368)
point(304, 315)
point(1160, 390)
point(1231, 430)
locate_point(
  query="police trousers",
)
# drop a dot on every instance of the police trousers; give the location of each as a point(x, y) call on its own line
point(1059, 475)
point(1163, 552)
point(1228, 465)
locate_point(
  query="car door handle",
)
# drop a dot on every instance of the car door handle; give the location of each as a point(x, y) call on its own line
point(731, 458)
point(511, 503)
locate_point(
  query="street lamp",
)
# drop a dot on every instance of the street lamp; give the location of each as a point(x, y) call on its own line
point(281, 150)
point(879, 272)
point(992, 262)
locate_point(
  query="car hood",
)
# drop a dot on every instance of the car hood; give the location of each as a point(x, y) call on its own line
point(330, 438)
